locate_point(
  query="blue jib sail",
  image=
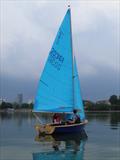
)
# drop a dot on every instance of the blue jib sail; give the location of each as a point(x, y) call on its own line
point(78, 104)
point(55, 89)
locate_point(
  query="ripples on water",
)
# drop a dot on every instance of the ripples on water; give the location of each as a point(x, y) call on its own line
point(18, 140)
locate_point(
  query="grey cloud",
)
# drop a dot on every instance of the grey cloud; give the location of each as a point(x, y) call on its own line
point(31, 37)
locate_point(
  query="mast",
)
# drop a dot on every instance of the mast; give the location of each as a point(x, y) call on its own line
point(72, 52)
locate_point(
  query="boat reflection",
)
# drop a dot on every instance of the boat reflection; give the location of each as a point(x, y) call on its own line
point(69, 146)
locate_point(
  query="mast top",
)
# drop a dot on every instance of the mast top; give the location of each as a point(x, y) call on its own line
point(68, 5)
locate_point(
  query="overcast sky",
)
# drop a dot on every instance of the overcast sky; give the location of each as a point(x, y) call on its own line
point(28, 29)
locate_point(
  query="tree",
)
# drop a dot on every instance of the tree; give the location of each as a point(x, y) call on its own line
point(113, 99)
point(5, 105)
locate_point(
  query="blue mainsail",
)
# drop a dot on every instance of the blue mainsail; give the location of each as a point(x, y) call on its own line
point(78, 104)
point(55, 89)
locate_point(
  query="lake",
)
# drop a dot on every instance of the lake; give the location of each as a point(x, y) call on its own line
point(18, 139)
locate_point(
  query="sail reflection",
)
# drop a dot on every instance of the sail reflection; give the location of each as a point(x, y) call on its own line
point(69, 147)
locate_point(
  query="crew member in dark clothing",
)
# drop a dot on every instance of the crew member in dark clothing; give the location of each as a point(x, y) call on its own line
point(75, 118)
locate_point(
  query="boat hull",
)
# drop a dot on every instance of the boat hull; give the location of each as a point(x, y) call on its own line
point(69, 129)
point(49, 129)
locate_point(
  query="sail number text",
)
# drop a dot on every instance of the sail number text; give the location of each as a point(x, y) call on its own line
point(55, 59)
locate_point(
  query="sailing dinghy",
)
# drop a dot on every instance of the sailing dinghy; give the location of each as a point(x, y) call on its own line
point(59, 87)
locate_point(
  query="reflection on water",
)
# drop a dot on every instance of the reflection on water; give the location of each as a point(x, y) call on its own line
point(112, 117)
point(69, 147)
point(17, 117)
point(18, 142)
point(115, 120)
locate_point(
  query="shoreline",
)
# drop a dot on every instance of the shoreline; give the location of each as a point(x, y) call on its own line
point(102, 111)
point(16, 110)
point(30, 110)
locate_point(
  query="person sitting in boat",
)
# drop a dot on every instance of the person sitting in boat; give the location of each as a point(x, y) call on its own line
point(75, 118)
point(56, 118)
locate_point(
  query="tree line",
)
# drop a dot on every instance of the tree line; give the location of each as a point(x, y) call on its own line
point(8, 105)
point(114, 105)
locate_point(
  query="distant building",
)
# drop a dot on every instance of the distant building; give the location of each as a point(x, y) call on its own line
point(20, 99)
point(31, 101)
point(2, 100)
point(87, 103)
point(103, 102)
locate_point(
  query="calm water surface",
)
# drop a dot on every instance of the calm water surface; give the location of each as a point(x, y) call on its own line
point(18, 139)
